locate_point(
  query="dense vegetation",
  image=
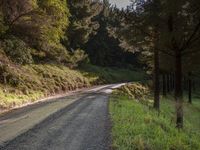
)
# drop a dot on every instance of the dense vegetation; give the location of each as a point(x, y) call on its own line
point(167, 36)
point(45, 49)
point(52, 46)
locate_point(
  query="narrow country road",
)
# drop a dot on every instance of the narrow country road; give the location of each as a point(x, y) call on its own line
point(76, 122)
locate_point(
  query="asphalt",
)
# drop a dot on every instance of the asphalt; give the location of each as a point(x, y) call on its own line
point(84, 124)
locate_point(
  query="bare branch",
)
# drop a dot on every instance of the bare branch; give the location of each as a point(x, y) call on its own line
point(20, 16)
point(190, 52)
point(192, 36)
point(167, 53)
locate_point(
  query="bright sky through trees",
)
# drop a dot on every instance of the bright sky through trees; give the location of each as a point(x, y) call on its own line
point(120, 3)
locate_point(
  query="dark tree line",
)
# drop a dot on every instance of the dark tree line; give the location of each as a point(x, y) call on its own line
point(60, 31)
point(167, 33)
point(164, 34)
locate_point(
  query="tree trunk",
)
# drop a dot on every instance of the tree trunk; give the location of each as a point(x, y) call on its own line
point(173, 82)
point(156, 80)
point(178, 89)
point(194, 86)
point(185, 83)
point(189, 88)
point(168, 83)
point(164, 85)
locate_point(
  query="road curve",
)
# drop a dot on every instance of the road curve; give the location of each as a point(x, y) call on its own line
point(82, 125)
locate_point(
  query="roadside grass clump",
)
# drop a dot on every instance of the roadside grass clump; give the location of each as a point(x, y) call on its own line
point(10, 99)
point(134, 90)
point(137, 126)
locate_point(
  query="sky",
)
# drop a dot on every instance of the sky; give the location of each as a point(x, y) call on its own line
point(120, 3)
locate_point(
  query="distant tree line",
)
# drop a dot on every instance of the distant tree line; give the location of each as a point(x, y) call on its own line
point(60, 31)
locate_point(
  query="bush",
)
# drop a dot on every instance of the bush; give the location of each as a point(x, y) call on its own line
point(77, 58)
point(8, 76)
point(134, 90)
point(18, 51)
point(54, 52)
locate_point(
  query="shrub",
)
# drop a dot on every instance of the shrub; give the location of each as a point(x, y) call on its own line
point(18, 51)
point(54, 52)
point(137, 91)
point(77, 58)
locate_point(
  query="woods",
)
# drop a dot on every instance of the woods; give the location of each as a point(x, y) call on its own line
point(160, 36)
point(167, 33)
point(50, 47)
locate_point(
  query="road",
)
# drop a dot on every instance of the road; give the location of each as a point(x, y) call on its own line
point(76, 122)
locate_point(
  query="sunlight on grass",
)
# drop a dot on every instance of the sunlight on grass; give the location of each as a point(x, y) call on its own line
point(29, 83)
point(137, 126)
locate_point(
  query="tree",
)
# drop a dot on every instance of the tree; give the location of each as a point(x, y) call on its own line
point(164, 27)
point(141, 28)
point(41, 24)
point(181, 34)
point(82, 25)
point(2, 24)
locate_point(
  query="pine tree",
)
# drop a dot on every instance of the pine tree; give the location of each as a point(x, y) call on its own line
point(82, 25)
point(40, 24)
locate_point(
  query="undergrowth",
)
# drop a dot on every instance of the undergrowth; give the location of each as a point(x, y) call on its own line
point(20, 84)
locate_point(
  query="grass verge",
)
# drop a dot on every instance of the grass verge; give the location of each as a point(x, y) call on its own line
point(136, 126)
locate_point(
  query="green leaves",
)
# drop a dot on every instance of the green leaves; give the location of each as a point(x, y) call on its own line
point(57, 12)
point(18, 51)
point(82, 25)
point(3, 28)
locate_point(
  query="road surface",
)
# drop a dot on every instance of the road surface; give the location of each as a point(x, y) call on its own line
point(76, 122)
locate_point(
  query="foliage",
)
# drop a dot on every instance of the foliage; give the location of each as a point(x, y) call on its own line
point(82, 25)
point(166, 33)
point(104, 48)
point(18, 51)
point(2, 25)
point(136, 91)
point(105, 75)
point(41, 24)
point(27, 83)
point(77, 58)
point(57, 12)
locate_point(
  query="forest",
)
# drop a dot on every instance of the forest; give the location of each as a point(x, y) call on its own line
point(49, 47)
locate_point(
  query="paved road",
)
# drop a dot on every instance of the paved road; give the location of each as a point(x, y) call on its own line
point(81, 124)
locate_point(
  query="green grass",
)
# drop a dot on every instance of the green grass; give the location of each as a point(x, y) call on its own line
point(138, 127)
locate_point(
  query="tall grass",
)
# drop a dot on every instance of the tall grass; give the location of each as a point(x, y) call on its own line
point(136, 126)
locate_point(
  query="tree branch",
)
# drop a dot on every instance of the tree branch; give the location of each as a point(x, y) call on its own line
point(188, 42)
point(190, 52)
point(167, 53)
point(21, 15)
